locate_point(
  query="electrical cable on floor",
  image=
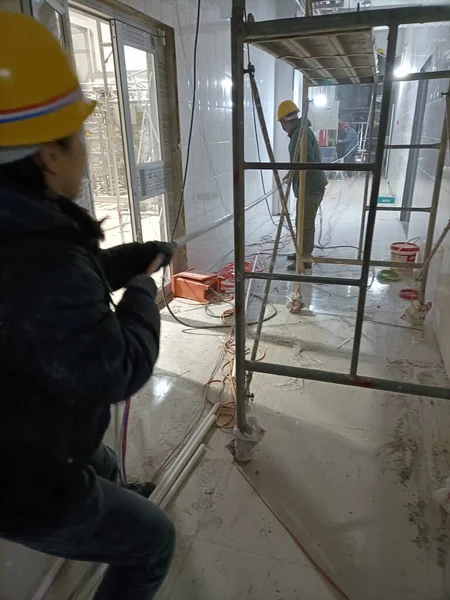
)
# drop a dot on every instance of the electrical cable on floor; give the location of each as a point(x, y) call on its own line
point(302, 547)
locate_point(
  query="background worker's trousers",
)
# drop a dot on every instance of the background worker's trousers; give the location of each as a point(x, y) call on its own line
point(312, 203)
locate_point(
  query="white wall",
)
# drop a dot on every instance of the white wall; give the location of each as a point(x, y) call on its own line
point(209, 193)
point(418, 43)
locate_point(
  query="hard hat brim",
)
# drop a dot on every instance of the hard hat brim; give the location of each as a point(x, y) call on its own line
point(47, 128)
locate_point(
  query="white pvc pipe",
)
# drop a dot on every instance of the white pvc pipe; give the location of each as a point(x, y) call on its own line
point(184, 450)
point(100, 571)
point(175, 475)
point(183, 475)
point(48, 579)
point(173, 472)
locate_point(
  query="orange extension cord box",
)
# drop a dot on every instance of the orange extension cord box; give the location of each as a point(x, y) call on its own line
point(195, 286)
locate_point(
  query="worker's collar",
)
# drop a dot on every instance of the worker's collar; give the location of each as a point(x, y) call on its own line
point(296, 125)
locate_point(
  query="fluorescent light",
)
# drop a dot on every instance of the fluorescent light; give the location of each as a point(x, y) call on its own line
point(320, 100)
point(402, 70)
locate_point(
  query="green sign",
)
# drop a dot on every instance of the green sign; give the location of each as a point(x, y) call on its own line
point(386, 200)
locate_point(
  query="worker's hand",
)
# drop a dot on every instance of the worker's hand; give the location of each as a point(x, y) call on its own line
point(156, 264)
point(156, 248)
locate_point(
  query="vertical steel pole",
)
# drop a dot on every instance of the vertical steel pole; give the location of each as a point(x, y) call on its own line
point(301, 196)
point(368, 159)
point(435, 201)
point(237, 77)
point(372, 212)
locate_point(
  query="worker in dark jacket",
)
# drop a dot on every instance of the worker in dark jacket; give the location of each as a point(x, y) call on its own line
point(316, 181)
point(65, 356)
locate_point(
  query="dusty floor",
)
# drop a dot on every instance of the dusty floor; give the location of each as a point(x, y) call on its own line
point(349, 471)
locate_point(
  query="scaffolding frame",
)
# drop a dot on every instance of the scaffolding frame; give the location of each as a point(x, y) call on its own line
point(247, 32)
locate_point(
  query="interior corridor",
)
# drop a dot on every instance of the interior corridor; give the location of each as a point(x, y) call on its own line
point(350, 472)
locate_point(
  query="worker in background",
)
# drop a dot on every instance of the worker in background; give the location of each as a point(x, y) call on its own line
point(65, 356)
point(347, 144)
point(316, 181)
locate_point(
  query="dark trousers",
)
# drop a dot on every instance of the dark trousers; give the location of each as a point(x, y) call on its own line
point(350, 158)
point(119, 528)
point(312, 203)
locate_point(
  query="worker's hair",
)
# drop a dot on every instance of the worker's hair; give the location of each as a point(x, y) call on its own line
point(25, 176)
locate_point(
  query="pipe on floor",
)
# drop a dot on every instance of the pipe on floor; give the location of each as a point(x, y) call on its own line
point(182, 476)
point(182, 459)
point(48, 579)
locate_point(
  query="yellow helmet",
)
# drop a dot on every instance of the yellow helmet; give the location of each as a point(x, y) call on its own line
point(40, 95)
point(285, 108)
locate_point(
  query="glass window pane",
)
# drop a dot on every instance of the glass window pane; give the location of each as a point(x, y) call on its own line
point(49, 17)
point(141, 81)
point(95, 67)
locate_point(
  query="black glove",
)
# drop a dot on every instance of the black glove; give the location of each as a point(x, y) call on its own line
point(150, 251)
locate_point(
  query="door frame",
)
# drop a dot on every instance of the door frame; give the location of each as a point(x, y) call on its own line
point(413, 154)
point(111, 10)
point(134, 168)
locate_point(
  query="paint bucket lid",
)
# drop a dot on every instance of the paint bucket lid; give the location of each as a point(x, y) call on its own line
point(405, 247)
point(388, 275)
point(409, 294)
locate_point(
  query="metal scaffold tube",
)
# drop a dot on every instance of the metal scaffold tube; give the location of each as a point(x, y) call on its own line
point(237, 74)
point(265, 300)
point(276, 175)
point(371, 383)
point(301, 194)
point(248, 32)
point(308, 166)
point(376, 180)
point(368, 158)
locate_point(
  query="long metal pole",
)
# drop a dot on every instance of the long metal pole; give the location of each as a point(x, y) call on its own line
point(427, 75)
point(301, 194)
point(401, 208)
point(273, 259)
point(265, 299)
point(312, 166)
point(434, 203)
point(368, 158)
point(384, 119)
point(434, 146)
point(181, 241)
point(237, 76)
point(303, 278)
point(374, 383)
point(276, 175)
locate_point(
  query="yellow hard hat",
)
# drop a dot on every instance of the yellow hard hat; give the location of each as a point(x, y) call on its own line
point(40, 95)
point(285, 108)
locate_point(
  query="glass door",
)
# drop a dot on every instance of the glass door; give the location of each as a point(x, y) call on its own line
point(137, 66)
point(93, 55)
point(53, 14)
